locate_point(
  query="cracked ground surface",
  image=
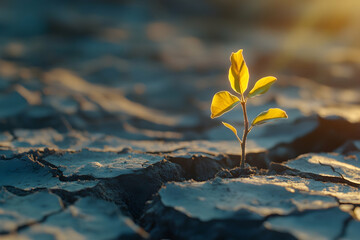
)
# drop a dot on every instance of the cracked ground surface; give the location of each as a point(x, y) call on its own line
point(105, 130)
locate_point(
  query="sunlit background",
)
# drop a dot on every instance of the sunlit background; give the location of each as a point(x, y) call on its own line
point(148, 69)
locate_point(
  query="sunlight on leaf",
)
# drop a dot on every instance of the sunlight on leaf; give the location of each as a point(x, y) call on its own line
point(223, 102)
point(272, 113)
point(229, 126)
point(238, 72)
point(262, 86)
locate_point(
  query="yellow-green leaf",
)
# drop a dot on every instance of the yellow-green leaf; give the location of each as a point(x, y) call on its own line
point(272, 113)
point(223, 102)
point(262, 86)
point(238, 72)
point(229, 126)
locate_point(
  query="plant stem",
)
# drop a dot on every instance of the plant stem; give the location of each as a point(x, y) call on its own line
point(246, 131)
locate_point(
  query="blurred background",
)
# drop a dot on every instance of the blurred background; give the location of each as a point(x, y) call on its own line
point(148, 69)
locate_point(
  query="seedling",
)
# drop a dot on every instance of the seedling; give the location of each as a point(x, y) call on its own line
point(224, 101)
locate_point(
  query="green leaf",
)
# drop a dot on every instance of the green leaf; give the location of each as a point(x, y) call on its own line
point(238, 72)
point(223, 102)
point(262, 86)
point(271, 114)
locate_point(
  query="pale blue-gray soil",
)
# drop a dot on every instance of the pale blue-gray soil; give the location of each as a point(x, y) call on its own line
point(105, 129)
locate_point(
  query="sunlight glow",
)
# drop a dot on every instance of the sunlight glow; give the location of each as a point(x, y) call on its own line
point(321, 27)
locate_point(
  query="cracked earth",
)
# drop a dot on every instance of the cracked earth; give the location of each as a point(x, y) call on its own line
point(90, 150)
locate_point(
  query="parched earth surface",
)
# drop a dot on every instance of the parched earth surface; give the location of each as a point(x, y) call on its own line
point(105, 130)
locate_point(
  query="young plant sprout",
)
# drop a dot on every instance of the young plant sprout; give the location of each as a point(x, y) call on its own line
point(224, 101)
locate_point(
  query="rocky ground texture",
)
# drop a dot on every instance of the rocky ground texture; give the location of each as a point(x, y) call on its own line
point(105, 130)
